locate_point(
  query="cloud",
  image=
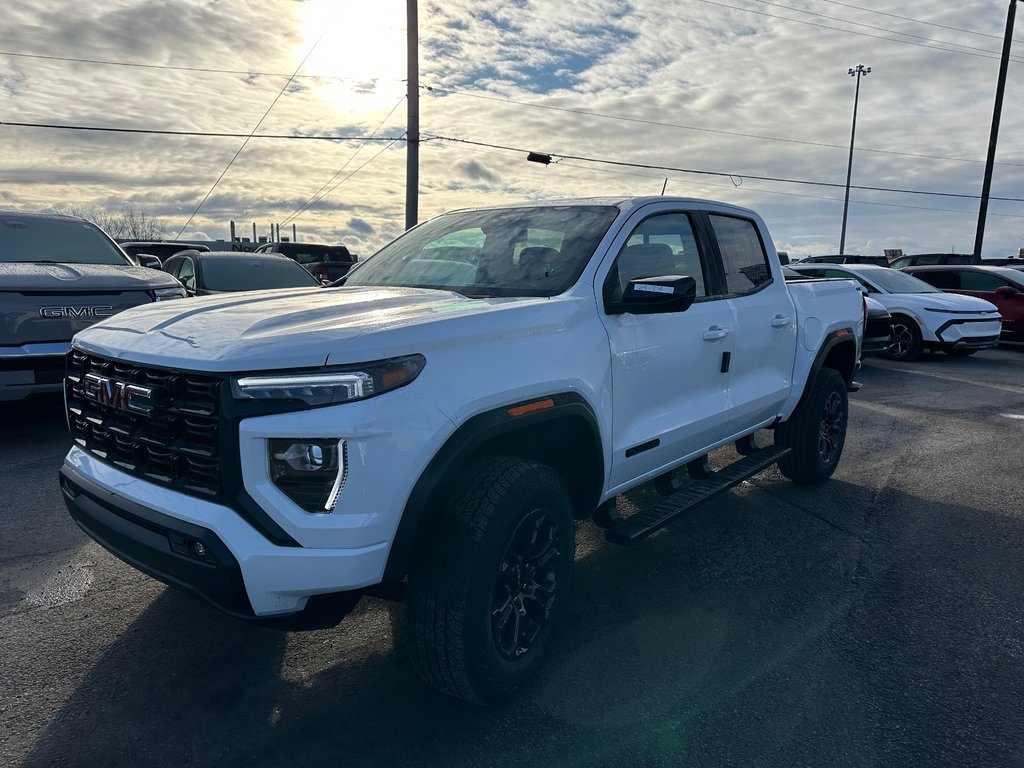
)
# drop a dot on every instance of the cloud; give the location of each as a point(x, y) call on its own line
point(703, 87)
point(360, 227)
point(474, 170)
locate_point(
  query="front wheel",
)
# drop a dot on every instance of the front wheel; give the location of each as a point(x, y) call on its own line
point(907, 343)
point(484, 599)
point(816, 432)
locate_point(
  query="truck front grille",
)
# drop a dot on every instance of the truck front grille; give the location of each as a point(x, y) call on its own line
point(166, 429)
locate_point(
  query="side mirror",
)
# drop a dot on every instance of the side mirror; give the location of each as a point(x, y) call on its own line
point(149, 260)
point(655, 295)
point(1007, 290)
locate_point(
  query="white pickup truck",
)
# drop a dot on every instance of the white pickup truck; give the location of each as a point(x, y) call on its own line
point(431, 429)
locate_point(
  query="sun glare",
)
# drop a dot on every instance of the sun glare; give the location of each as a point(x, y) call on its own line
point(363, 50)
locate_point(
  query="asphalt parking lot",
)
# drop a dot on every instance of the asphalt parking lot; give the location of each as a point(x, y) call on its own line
point(875, 620)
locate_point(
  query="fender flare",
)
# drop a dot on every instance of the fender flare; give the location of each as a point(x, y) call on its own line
point(474, 434)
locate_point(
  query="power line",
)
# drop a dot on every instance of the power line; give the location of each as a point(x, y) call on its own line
point(727, 174)
point(313, 198)
point(383, 149)
point(878, 29)
point(176, 67)
point(759, 190)
point(848, 31)
point(590, 113)
point(205, 134)
point(249, 137)
point(916, 21)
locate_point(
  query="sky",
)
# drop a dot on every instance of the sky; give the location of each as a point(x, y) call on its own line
point(739, 89)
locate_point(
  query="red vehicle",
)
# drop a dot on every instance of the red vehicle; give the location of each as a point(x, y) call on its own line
point(1002, 286)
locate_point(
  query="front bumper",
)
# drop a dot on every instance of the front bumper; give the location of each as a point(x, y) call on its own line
point(156, 530)
point(967, 333)
point(32, 369)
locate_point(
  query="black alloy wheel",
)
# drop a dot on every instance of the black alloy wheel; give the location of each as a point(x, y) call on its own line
point(527, 585)
point(831, 431)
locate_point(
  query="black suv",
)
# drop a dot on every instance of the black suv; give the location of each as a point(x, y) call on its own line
point(835, 259)
point(921, 259)
point(327, 262)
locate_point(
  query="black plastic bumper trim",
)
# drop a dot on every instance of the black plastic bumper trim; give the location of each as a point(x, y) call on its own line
point(157, 544)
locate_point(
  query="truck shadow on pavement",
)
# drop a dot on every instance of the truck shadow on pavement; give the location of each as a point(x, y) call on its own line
point(780, 625)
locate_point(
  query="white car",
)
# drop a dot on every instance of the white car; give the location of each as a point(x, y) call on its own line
point(923, 317)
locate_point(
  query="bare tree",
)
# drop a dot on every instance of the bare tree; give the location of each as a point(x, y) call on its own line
point(130, 223)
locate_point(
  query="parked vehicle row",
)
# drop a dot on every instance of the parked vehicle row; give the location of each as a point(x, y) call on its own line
point(924, 318)
point(203, 273)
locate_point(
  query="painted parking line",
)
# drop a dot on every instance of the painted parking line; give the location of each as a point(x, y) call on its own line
point(1017, 390)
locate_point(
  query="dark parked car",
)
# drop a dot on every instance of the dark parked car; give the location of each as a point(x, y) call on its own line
point(327, 262)
point(1002, 286)
point(162, 249)
point(208, 272)
point(835, 259)
point(921, 259)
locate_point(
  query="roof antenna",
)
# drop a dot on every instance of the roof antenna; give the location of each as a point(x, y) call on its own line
point(664, 186)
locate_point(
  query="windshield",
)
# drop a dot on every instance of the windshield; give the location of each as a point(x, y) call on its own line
point(503, 252)
point(894, 281)
point(242, 274)
point(67, 241)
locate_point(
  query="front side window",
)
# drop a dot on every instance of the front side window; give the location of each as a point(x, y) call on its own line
point(944, 279)
point(61, 241)
point(743, 256)
point(660, 246)
point(538, 251)
point(187, 274)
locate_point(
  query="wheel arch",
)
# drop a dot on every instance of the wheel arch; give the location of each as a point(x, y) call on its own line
point(838, 351)
point(563, 435)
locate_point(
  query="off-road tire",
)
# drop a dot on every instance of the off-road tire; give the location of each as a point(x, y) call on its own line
point(457, 590)
point(816, 431)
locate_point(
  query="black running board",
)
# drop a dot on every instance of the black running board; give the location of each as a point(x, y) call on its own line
point(631, 529)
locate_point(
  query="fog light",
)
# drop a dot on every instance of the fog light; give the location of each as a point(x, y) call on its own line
point(199, 548)
point(309, 472)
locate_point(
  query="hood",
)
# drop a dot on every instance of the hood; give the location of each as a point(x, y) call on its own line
point(79, 278)
point(291, 328)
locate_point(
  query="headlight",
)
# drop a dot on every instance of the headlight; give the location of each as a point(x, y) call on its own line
point(163, 294)
point(309, 472)
point(342, 385)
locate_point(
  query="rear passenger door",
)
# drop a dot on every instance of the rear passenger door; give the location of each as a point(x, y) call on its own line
point(764, 318)
point(668, 388)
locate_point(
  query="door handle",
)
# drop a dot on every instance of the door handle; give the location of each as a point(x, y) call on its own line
point(781, 322)
point(714, 333)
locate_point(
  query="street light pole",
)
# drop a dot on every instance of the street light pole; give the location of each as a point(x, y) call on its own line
point(986, 187)
point(858, 71)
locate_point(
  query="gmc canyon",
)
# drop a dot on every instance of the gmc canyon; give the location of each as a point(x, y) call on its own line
point(432, 429)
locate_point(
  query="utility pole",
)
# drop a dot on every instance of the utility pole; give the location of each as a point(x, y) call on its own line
point(412, 126)
point(858, 71)
point(986, 186)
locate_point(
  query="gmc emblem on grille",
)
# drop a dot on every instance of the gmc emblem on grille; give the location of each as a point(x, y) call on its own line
point(71, 313)
point(130, 398)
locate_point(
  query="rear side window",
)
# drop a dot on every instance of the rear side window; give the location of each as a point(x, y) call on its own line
point(980, 281)
point(743, 254)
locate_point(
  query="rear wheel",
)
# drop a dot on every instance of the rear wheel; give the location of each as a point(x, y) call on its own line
point(484, 601)
point(816, 432)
